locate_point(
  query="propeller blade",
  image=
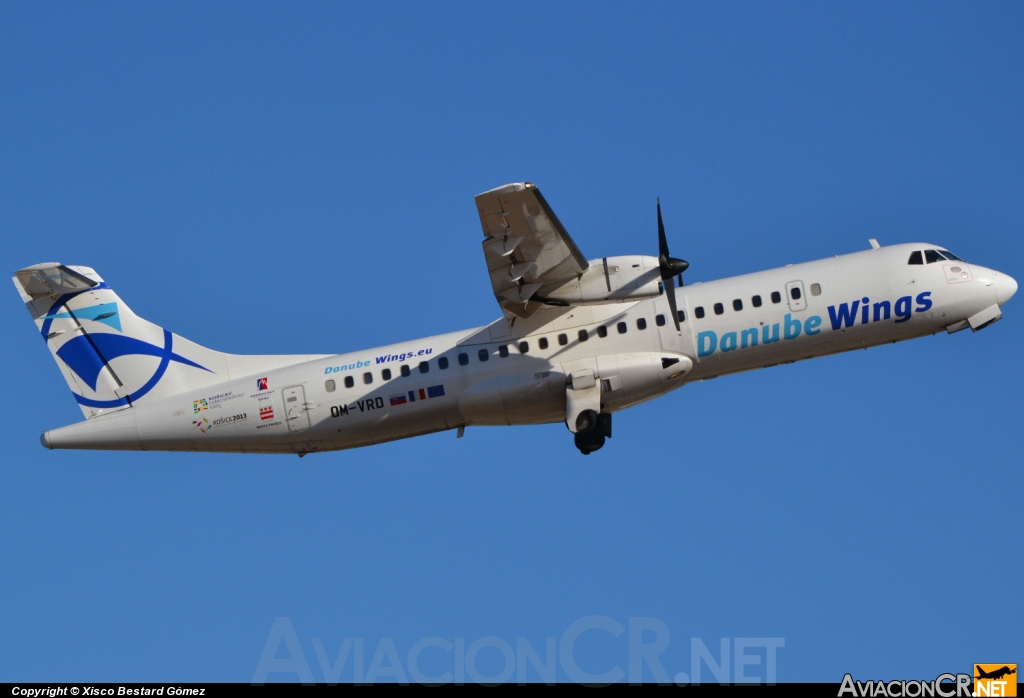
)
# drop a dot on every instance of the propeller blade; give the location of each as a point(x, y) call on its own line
point(662, 240)
point(670, 268)
point(670, 289)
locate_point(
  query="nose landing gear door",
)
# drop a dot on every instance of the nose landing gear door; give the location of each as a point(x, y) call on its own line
point(296, 411)
point(795, 295)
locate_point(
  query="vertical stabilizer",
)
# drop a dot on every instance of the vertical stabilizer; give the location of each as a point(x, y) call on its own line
point(110, 357)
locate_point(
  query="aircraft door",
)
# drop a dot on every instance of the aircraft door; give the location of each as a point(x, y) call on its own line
point(296, 411)
point(795, 295)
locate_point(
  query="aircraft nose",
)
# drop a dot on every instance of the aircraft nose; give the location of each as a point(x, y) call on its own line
point(1005, 287)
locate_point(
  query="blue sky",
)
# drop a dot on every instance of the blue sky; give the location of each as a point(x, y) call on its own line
point(266, 178)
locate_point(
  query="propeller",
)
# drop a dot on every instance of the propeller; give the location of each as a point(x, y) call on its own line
point(670, 268)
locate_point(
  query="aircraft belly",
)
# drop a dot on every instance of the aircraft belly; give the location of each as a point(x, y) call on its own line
point(533, 397)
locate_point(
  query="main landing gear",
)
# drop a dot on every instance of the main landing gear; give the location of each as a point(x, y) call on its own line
point(592, 429)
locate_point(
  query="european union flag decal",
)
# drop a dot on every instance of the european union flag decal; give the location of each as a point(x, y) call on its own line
point(435, 391)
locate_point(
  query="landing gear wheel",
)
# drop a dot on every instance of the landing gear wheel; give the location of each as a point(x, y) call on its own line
point(588, 443)
point(591, 430)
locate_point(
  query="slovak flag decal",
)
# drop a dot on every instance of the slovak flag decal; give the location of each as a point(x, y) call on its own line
point(266, 412)
point(262, 384)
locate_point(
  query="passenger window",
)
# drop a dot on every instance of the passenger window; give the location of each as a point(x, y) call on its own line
point(815, 289)
point(932, 256)
point(681, 314)
point(659, 320)
point(641, 323)
point(583, 335)
point(795, 293)
point(756, 301)
point(463, 360)
point(367, 377)
point(424, 367)
point(543, 342)
point(349, 381)
point(503, 351)
point(442, 363)
point(483, 354)
point(737, 305)
point(562, 340)
point(330, 386)
point(524, 347)
point(602, 331)
point(719, 309)
point(951, 256)
point(406, 371)
point(386, 374)
point(776, 297)
point(915, 257)
point(699, 311)
point(621, 327)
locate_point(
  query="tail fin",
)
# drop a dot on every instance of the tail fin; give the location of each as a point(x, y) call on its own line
point(110, 357)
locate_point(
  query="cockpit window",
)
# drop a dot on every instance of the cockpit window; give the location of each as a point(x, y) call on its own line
point(950, 256)
point(932, 256)
point(915, 257)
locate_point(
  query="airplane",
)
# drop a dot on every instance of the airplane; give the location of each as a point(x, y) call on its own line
point(995, 674)
point(579, 340)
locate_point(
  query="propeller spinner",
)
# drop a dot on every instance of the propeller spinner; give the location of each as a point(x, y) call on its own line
point(670, 268)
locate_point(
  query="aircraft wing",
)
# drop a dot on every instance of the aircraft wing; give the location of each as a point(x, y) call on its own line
point(527, 249)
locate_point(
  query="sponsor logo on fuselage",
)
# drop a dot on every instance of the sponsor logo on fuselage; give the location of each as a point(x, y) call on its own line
point(204, 425)
point(840, 316)
point(214, 402)
point(217, 401)
point(262, 384)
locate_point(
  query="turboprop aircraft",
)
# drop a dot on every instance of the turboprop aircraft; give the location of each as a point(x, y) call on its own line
point(578, 340)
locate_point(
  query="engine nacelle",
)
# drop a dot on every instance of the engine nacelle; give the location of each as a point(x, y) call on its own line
point(613, 279)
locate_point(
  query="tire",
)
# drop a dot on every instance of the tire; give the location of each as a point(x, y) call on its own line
point(588, 443)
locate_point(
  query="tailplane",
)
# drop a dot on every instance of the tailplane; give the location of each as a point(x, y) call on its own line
point(110, 357)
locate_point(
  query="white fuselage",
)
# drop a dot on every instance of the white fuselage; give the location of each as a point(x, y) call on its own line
point(500, 376)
